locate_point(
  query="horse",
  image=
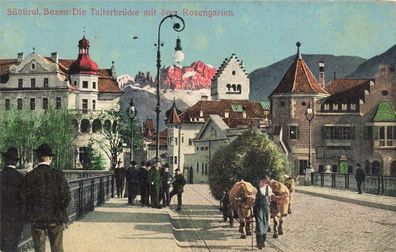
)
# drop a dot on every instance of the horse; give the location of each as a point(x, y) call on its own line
point(289, 183)
point(242, 197)
point(279, 205)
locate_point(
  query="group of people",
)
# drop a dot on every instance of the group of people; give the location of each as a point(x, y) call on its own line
point(151, 182)
point(40, 198)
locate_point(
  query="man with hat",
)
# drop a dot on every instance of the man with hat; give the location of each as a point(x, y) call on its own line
point(261, 210)
point(144, 184)
point(132, 178)
point(45, 196)
point(359, 176)
point(11, 214)
point(155, 184)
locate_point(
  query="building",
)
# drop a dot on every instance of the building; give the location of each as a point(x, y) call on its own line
point(38, 82)
point(225, 116)
point(353, 120)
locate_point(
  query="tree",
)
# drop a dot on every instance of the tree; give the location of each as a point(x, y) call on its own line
point(96, 160)
point(249, 156)
point(26, 131)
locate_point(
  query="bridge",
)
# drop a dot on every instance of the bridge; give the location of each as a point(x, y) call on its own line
point(323, 219)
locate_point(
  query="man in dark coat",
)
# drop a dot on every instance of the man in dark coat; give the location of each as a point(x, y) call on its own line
point(45, 196)
point(144, 184)
point(11, 208)
point(155, 184)
point(261, 210)
point(178, 185)
point(359, 176)
point(119, 175)
point(132, 178)
point(225, 207)
point(166, 178)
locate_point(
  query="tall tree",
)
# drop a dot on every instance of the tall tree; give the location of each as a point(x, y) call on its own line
point(249, 156)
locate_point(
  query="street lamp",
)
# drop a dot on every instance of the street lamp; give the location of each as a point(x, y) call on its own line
point(131, 113)
point(310, 116)
point(178, 26)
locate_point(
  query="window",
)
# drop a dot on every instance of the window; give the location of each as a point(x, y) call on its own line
point(19, 103)
point(84, 106)
point(202, 148)
point(175, 140)
point(353, 107)
point(202, 169)
point(344, 106)
point(20, 83)
point(45, 103)
point(85, 84)
point(326, 106)
point(334, 168)
point(206, 148)
point(321, 169)
point(197, 148)
point(32, 103)
point(93, 104)
point(175, 159)
point(83, 155)
point(335, 107)
point(197, 168)
point(182, 139)
point(45, 82)
point(338, 132)
point(7, 104)
point(189, 141)
point(385, 135)
point(94, 85)
point(58, 102)
point(293, 132)
point(33, 83)
point(206, 169)
point(85, 126)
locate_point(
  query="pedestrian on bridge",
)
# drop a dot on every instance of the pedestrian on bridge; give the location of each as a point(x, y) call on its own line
point(119, 175)
point(178, 185)
point(144, 184)
point(11, 208)
point(155, 184)
point(359, 176)
point(45, 196)
point(132, 178)
point(166, 178)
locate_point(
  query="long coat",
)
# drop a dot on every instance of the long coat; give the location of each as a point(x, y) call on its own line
point(132, 178)
point(155, 179)
point(359, 175)
point(261, 212)
point(45, 196)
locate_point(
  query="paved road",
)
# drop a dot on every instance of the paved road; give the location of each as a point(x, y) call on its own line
point(317, 224)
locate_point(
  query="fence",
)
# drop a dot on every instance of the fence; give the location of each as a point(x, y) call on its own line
point(86, 194)
point(380, 185)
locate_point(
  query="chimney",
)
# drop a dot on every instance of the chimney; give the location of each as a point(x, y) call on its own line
point(54, 57)
point(20, 56)
point(113, 72)
point(322, 73)
point(334, 78)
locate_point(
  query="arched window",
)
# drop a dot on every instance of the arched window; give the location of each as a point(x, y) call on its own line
point(85, 126)
point(228, 87)
point(375, 167)
point(107, 125)
point(239, 88)
point(393, 168)
point(234, 88)
point(96, 126)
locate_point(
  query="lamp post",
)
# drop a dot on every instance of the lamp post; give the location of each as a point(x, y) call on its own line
point(178, 26)
point(310, 116)
point(131, 113)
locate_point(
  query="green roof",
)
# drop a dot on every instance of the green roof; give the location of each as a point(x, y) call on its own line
point(237, 108)
point(385, 112)
point(265, 105)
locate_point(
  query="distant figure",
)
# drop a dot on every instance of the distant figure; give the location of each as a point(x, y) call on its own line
point(144, 184)
point(155, 184)
point(45, 196)
point(132, 178)
point(119, 175)
point(359, 176)
point(11, 207)
point(178, 185)
point(261, 211)
point(225, 208)
point(166, 178)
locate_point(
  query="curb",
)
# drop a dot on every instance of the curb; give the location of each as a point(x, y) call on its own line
point(348, 200)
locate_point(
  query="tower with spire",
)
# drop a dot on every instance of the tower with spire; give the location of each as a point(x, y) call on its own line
point(84, 78)
point(297, 90)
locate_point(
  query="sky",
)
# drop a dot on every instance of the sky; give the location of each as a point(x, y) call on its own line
point(258, 32)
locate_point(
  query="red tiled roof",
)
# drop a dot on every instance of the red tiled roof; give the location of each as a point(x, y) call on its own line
point(172, 115)
point(254, 112)
point(105, 82)
point(347, 90)
point(299, 79)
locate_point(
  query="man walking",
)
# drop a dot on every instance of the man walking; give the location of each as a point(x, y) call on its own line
point(119, 175)
point(178, 185)
point(261, 211)
point(132, 178)
point(45, 196)
point(155, 183)
point(11, 213)
point(144, 185)
point(359, 176)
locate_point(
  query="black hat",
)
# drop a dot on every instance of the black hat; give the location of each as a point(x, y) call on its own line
point(358, 165)
point(11, 154)
point(44, 151)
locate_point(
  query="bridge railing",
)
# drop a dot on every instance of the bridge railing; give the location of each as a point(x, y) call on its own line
point(86, 194)
point(380, 185)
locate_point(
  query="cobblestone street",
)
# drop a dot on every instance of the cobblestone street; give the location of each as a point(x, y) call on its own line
point(317, 224)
